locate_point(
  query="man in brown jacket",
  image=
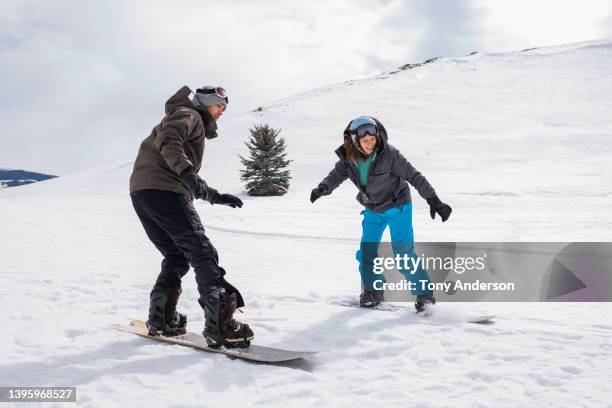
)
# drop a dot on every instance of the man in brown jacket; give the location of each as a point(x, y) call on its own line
point(163, 184)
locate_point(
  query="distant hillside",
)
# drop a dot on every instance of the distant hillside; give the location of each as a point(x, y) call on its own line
point(14, 178)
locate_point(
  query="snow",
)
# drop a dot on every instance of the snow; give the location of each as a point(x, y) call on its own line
point(518, 143)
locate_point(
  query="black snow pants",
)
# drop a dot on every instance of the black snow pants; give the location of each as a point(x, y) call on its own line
point(174, 227)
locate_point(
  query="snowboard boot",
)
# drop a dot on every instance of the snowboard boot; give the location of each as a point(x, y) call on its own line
point(371, 298)
point(423, 302)
point(163, 317)
point(221, 329)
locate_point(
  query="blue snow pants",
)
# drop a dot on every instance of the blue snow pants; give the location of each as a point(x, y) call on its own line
point(399, 220)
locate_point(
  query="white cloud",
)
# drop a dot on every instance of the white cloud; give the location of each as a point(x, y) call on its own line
point(605, 24)
point(525, 23)
point(428, 29)
point(84, 82)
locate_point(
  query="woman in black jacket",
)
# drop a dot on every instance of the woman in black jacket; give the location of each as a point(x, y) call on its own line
point(382, 174)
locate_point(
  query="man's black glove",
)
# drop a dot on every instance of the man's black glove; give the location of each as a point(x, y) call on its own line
point(316, 193)
point(194, 182)
point(227, 199)
point(437, 206)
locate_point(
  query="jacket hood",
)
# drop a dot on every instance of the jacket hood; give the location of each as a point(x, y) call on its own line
point(381, 130)
point(382, 133)
point(179, 100)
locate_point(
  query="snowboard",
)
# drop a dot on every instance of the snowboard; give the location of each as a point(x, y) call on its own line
point(388, 307)
point(253, 352)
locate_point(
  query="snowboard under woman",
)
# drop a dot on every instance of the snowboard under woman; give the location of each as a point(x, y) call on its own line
point(381, 174)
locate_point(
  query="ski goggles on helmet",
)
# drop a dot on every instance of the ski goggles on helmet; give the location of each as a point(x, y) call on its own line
point(218, 91)
point(362, 126)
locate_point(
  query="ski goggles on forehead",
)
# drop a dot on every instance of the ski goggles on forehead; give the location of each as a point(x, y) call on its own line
point(218, 91)
point(364, 130)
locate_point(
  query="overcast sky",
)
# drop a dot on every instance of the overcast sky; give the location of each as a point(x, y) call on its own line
point(79, 78)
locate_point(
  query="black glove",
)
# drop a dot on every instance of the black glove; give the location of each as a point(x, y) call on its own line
point(227, 199)
point(194, 182)
point(437, 206)
point(321, 190)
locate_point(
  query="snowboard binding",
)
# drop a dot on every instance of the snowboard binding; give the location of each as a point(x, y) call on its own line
point(371, 298)
point(163, 318)
point(221, 329)
point(423, 302)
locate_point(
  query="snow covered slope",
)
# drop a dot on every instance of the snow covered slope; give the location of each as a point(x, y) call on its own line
point(520, 145)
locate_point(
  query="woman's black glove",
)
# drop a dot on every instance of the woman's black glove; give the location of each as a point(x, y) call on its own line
point(437, 206)
point(316, 193)
point(227, 199)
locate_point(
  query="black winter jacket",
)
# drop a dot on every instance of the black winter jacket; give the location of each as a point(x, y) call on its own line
point(388, 178)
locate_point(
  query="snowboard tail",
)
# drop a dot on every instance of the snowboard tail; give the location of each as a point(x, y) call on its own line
point(253, 352)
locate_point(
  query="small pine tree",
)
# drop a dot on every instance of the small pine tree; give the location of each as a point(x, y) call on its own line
point(264, 172)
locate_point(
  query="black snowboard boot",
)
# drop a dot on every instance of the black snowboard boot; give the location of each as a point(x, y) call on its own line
point(163, 317)
point(423, 302)
point(221, 328)
point(371, 298)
